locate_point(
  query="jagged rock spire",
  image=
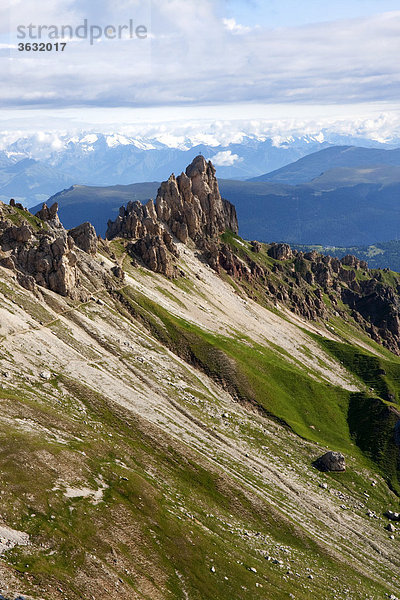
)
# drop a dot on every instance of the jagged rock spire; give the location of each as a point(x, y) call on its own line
point(191, 204)
point(189, 207)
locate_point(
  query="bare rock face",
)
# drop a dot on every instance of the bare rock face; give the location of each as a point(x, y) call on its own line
point(256, 246)
point(44, 257)
point(220, 257)
point(331, 461)
point(50, 215)
point(134, 221)
point(192, 206)
point(150, 239)
point(43, 253)
point(280, 251)
point(85, 237)
point(188, 207)
point(156, 252)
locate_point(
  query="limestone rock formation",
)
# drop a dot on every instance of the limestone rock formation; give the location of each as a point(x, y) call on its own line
point(188, 207)
point(134, 221)
point(85, 237)
point(43, 254)
point(191, 205)
point(50, 215)
point(156, 251)
point(280, 251)
point(48, 260)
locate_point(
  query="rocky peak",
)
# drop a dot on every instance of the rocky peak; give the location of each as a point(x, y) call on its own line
point(50, 215)
point(188, 207)
point(191, 204)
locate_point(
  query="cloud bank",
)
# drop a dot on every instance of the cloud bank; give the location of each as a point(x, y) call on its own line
point(196, 56)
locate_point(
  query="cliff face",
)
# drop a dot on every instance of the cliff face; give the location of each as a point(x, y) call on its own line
point(317, 287)
point(40, 250)
point(188, 207)
point(42, 253)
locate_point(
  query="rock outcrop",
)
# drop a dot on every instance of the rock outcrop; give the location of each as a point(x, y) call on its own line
point(157, 252)
point(375, 304)
point(134, 221)
point(50, 215)
point(85, 237)
point(280, 251)
point(188, 207)
point(191, 205)
point(41, 252)
point(46, 258)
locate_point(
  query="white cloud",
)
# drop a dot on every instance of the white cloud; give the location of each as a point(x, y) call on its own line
point(233, 27)
point(145, 129)
point(196, 60)
point(225, 159)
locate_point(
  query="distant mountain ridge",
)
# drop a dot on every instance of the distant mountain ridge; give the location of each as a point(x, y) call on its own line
point(39, 171)
point(313, 165)
point(59, 161)
point(96, 204)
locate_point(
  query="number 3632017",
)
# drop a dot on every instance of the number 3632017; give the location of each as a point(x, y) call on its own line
point(42, 47)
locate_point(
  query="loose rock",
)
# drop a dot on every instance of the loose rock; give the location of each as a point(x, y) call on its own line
point(331, 461)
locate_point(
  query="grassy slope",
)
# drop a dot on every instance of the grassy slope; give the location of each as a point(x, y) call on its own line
point(166, 516)
point(370, 418)
point(314, 410)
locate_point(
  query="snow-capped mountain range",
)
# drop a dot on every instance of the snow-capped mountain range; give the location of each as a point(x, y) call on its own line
point(36, 166)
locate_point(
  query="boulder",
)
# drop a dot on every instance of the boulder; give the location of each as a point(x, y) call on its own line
point(330, 461)
point(118, 272)
point(392, 516)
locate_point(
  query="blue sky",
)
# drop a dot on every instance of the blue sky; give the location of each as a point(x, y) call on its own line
point(291, 13)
